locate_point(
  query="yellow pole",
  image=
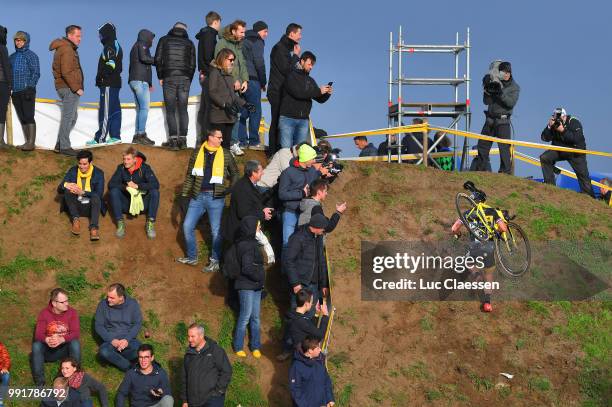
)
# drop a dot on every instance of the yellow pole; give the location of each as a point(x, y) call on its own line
point(9, 123)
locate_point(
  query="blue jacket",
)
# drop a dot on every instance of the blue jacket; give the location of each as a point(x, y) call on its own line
point(292, 182)
point(137, 386)
point(309, 382)
point(97, 184)
point(26, 67)
point(253, 51)
point(369, 151)
point(118, 322)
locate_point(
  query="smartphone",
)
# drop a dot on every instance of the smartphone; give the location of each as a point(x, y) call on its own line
point(330, 83)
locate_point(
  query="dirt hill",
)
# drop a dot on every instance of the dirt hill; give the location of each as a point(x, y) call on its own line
point(382, 353)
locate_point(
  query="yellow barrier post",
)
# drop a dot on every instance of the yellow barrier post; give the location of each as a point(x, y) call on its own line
point(9, 123)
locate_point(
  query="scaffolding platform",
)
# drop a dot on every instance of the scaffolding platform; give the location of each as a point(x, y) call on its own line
point(451, 110)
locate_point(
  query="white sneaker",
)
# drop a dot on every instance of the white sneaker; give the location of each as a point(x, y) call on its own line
point(236, 150)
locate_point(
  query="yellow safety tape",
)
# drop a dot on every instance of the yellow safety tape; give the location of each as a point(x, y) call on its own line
point(533, 161)
point(471, 153)
point(413, 128)
point(520, 143)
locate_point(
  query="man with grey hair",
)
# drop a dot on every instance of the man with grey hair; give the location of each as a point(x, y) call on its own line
point(206, 371)
point(246, 200)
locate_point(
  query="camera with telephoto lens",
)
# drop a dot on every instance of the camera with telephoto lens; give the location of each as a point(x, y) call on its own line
point(331, 162)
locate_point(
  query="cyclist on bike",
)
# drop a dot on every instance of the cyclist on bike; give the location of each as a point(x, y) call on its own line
point(485, 249)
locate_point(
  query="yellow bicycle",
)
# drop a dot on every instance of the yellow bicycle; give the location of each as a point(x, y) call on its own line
point(485, 223)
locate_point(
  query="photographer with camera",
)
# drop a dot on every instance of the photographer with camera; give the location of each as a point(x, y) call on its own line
point(224, 101)
point(501, 93)
point(565, 131)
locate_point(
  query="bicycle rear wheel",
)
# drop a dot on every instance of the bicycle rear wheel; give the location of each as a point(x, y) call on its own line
point(467, 211)
point(514, 253)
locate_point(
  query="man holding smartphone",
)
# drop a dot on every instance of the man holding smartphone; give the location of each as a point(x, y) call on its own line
point(299, 91)
point(146, 384)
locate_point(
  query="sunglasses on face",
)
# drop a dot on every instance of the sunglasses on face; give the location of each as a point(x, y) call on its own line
point(231, 59)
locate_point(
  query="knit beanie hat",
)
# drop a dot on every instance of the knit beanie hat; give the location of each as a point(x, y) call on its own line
point(318, 221)
point(505, 67)
point(20, 35)
point(181, 25)
point(306, 153)
point(260, 25)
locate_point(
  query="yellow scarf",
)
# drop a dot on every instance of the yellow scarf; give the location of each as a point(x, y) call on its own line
point(217, 167)
point(87, 177)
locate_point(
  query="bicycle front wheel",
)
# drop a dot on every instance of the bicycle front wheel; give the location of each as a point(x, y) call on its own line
point(514, 252)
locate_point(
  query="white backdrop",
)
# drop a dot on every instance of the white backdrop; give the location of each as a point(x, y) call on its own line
point(48, 118)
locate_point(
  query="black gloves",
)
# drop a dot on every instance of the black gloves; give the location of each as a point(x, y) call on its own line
point(250, 107)
point(231, 110)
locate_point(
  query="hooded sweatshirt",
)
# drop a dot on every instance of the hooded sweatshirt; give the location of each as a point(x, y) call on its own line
point(67, 70)
point(292, 182)
point(121, 321)
point(110, 64)
point(141, 61)
point(65, 324)
point(253, 50)
point(207, 40)
point(137, 386)
point(309, 382)
point(26, 67)
point(226, 40)
point(300, 326)
point(6, 74)
point(252, 275)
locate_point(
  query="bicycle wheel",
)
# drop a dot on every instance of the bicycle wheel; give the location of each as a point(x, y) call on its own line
point(514, 253)
point(466, 208)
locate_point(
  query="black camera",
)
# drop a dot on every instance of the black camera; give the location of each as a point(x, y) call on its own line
point(491, 86)
point(557, 121)
point(331, 162)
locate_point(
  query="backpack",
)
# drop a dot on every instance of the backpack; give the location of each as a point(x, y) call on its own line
point(231, 263)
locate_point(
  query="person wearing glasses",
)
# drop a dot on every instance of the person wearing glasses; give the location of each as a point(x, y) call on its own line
point(146, 384)
point(211, 174)
point(56, 336)
point(225, 104)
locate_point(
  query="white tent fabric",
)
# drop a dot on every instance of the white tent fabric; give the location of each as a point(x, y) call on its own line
point(48, 118)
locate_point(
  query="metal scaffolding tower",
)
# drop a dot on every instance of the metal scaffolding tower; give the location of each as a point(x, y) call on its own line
point(456, 110)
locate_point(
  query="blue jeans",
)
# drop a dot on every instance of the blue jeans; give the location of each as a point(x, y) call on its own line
point(290, 219)
point(292, 131)
point(4, 382)
point(123, 360)
point(205, 202)
point(120, 203)
point(215, 401)
point(42, 353)
point(142, 98)
point(250, 302)
point(252, 95)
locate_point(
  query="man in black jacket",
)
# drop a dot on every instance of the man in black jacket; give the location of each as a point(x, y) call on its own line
point(134, 182)
point(500, 100)
point(141, 83)
point(175, 62)
point(246, 200)
point(63, 395)
point(108, 80)
point(283, 56)
point(298, 92)
point(206, 371)
point(565, 131)
point(207, 40)
point(304, 260)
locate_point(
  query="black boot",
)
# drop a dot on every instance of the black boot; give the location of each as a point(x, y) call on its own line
point(137, 139)
point(171, 144)
point(146, 140)
point(182, 143)
point(3, 145)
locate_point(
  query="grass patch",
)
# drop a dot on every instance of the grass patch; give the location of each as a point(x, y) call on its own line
point(377, 396)
point(567, 222)
point(349, 263)
point(479, 343)
point(338, 360)
point(345, 395)
point(417, 370)
point(426, 323)
point(226, 329)
point(539, 383)
point(180, 332)
point(480, 383)
point(243, 389)
point(539, 308)
point(75, 282)
point(22, 265)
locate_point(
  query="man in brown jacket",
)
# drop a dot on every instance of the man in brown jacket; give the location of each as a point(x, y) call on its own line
point(68, 77)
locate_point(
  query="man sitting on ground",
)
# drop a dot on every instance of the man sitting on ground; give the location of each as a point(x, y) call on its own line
point(147, 385)
point(83, 189)
point(63, 395)
point(118, 320)
point(309, 382)
point(56, 336)
point(367, 149)
point(134, 188)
